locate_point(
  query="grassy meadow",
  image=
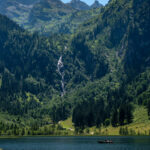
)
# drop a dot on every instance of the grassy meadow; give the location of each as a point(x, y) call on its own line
point(139, 126)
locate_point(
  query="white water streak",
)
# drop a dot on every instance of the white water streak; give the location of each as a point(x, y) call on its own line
point(60, 68)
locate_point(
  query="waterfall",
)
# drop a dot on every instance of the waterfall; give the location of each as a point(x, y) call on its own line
point(60, 69)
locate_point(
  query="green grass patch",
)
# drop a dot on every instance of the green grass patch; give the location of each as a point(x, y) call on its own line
point(67, 124)
point(139, 126)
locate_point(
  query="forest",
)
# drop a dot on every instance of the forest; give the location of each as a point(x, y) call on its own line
point(106, 73)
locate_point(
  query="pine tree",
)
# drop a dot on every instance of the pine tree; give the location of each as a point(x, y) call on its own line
point(114, 119)
point(23, 132)
point(121, 131)
point(148, 107)
point(129, 115)
point(121, 115)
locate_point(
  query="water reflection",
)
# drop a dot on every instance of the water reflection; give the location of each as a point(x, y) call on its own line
point(75, 143)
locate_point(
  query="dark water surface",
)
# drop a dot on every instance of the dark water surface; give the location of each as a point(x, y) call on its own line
point(75, 143)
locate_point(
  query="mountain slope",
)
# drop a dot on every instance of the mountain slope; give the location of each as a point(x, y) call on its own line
point(100, 37)
point(79, 5)
point(46, 16)
point(51, 16)
point(48, 9)
point(21, 54)
point(137, 57)
point(96, 4)
point(17, 10)
point(106, 66)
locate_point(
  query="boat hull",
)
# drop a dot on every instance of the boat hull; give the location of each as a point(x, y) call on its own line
point(105, 142)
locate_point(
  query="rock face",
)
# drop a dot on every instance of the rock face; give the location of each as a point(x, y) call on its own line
point(79, 5)
point(96, 4)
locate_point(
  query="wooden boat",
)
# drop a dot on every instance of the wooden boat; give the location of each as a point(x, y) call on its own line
point(105, 142)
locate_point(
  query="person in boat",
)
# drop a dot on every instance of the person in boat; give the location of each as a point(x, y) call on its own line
point(108, 141)
point(105, 141)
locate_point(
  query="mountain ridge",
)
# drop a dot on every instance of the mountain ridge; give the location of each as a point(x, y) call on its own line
point(79, 5)
point(54, 19)
point(96, 4)
point(46, 15)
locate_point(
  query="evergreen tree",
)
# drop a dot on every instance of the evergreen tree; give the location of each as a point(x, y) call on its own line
point(121, 131)
point(148, 107)
point(121, 115)
point(114, 119)
point(23, 131)
point(129, 115)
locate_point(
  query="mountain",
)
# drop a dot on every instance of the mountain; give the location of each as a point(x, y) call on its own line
point(18, 10)
point(126, 58)
point(28, 70)
point(46, 10)
point(96, 4)
point(45, 16)
point(79, 5)
point(27, 2)
point(50, 16)
point(103, 67)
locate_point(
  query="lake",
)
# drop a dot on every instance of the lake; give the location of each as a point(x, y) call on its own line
point(76, 143)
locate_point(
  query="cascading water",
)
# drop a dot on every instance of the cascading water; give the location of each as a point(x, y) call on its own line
point(60, 69)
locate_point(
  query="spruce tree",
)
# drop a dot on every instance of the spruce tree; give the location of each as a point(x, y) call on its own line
point(148, 107)
point(129, 115)
point(114, 119)
point(121, 115)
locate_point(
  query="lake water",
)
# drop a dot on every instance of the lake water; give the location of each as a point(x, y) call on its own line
point(75, 143)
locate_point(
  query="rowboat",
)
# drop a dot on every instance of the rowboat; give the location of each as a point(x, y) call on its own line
point(106, 141)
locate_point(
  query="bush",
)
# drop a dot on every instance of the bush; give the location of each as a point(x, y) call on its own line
point(107, 122)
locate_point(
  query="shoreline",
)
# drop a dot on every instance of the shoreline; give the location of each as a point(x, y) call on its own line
point(17, 137)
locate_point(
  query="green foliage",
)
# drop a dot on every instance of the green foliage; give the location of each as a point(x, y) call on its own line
point(114, 119)
point(46, 17)
point(148, 107)
point(106, 69)
point(121, 115)
point(107, 122)
point(124, 131)
point(125, 114)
